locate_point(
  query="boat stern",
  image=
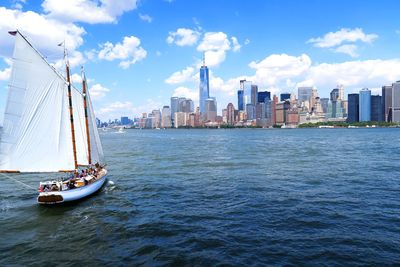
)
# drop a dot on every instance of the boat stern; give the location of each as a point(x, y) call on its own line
point(50, 198)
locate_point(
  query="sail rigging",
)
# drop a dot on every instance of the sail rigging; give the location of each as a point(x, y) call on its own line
point(37, 123)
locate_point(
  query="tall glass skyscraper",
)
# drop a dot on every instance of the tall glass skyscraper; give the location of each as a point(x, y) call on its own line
point(396, 102)
point(240, 99)
point(353, 108)
point(204, 90)
point(365, 105)
point(247, 96)
point(376, 108)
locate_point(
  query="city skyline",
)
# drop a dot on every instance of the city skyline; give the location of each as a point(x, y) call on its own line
point(137, 57)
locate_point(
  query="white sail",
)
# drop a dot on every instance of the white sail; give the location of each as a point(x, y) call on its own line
point(36, 129)
point(96, 150)
point(80, 128)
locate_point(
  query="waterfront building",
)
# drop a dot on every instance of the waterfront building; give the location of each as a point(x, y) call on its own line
point(365, 105)
point(314, 95)
point(174, 107)
point(376, 108)
point(292, 118)
point(186, 105)
point(262, 97)
point(166, 117)
point(273, 108)
point(211, 109)
point(268, 112)
point(396, 101)
point(254, 94)
point(180, 119)
point(230, 114)
point(304, 93)
point(284, 96)
point(260, 111)
point(324, 104)
point(156, 114)
point(240, 99)
point(387, 102)
point(246, 85)
point(340, 88)
point(125, 121)
point(353, 108)
point(204, 90)
point(191, 121)
point(250, 111)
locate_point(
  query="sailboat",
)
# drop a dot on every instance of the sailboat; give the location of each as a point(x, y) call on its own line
point(49, 126)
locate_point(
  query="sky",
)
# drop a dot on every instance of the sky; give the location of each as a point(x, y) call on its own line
point(139, 53)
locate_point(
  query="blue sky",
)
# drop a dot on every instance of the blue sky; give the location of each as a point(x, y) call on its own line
point(137, 54)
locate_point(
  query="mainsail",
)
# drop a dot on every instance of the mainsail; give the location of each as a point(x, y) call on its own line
point(37, 127)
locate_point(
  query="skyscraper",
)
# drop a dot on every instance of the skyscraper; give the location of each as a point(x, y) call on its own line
point(387, 102)
point(262, 97)
point(230, 110)
point(166, 117)
point(340, 88)
point(204, 91)
point(304, 93)
point(365, 105)
point(396, 102)
point(174, 106)
point(254, 94)
point(211, 109)
point(240, 99)
point(284, 96)
point(376, 108)
point(246, 92)
point(353, 108)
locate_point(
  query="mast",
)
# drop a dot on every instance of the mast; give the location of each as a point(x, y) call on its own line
point(71, 113)
point(84, 85)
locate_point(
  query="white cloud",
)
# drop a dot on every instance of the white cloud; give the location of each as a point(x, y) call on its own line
point(129, 51)
point(214, 45)
point(89, 11)
point(180, 76)
point(6, 72)
point(214, 41)
point(349, 49)
point(186, 92)
point(116, 110)
point(183, 37)
point(246, 42)
point(344, 35)
point(43, 32)
point(236, 45)
point(275, 68)
point(145, 17)
point(98, 91)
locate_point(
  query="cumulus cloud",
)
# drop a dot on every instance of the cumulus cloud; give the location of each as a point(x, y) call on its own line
point(344, 35)
point(45, 33)
point(343, 41)
point(118, 109)
point(101, 11)
point(129, 51)
point(186, 92)
point(183, 37)
point(145, 17)
point(236, 45)
point(98, 91)
point(214, 45)
point(180, 76)
point(349, 49)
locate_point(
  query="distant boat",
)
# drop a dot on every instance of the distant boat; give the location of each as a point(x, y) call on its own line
point(121, 130)
point(49, 126)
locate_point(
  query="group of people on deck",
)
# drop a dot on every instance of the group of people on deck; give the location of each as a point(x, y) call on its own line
point(88, 176)
point(79, 179)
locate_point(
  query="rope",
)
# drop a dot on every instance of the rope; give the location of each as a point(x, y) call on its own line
point(15, 180)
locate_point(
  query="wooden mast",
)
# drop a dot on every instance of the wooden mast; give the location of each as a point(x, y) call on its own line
point(71, 112)
point(84, 89)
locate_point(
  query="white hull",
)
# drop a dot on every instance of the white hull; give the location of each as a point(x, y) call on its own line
point(56, 197)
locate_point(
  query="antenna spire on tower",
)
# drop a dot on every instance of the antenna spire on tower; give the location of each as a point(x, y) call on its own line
point(204, 59)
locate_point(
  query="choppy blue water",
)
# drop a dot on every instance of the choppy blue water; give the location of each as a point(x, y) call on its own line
point(211, 197)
